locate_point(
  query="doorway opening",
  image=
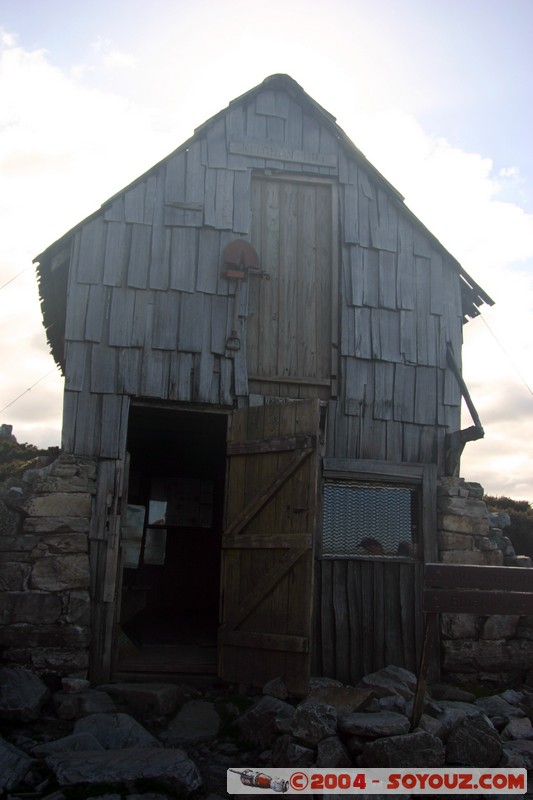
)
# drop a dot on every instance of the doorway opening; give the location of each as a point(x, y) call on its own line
point(171, 542)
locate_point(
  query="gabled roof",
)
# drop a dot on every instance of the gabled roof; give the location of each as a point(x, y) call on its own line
point(52, 290)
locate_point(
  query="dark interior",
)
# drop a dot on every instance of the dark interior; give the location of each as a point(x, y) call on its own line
point(171, 577)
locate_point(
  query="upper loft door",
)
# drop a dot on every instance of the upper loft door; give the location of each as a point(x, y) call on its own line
point(267, 544)
point(292, 316)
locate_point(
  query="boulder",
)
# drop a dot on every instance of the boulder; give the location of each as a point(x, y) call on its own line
point(498, 710)
point(474, 742)
point(68, 744)
point(313, 722)
point(264, 720)
point(316, 682)
point(75, 685)
point(56, 573)
point(331, 752)
point(116, 731)
point(171, 768)
point(520, 728)
point(517, 754)
point(499, 626)
point(64, 504)
point(74, 705)
point(445, 691)
point(276, 688)
point(374, 726)
point(288, 753)
point(145, 700)
point(344, 699)
point(417, 749)
point(14, 765)
point(22, 694)
point(390, 680)
point(197, 721)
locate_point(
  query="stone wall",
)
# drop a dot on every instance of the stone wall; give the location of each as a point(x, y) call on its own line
point(44, 575)
point(494, 650)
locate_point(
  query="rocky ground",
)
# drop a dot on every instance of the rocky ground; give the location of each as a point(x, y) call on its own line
point(155, 741)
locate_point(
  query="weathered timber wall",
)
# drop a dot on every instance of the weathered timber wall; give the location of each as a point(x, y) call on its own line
point(148, 314)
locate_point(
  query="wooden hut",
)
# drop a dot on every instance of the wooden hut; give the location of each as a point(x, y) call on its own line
point(261, 347)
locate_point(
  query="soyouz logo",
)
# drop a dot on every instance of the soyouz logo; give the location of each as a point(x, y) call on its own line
point(249, 780)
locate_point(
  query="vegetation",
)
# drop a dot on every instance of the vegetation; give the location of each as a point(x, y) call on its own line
point(520, 531)
point(16, 458)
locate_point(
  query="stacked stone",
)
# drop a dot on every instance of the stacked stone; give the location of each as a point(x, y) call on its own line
point(465, 536)
point(495, 650)
point(44, 526)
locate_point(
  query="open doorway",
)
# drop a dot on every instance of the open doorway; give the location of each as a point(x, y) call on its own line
point(171, 542)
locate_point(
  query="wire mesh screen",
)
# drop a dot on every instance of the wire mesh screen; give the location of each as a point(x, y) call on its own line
point(369, 519)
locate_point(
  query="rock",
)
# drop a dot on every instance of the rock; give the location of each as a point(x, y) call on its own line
point(487, 655)
point(435, 726)
point(276, 688)
point(466, 709)
point(262, 722)
point(343, 698)
point(313, 722)
point(475, 743)
point(391, 702)
point(499, 520)
point(517, 754)
point(22, 694)
point(116, 731)
point(197, 721)
point(417, 749)
point(513, 696)
point(373, 726)
point(445, 691)
point(56, 525)
point(56, 573)
point(459, 626)
point(355, 746)
point(499, 626)
point(332, 753)
point(498, 710)
point(460, 524)
point(145, 700)
point(74, 685)
point(321, 683)
point(59, 504)
point(41, 607)
point(74, 706)
point(517, 729)
point(288, 753)
point(487, 558)
point(14, 765)
point(391, 680)
point(14, 578)
point(9, 520)
point(171, 768)
point(68, 744)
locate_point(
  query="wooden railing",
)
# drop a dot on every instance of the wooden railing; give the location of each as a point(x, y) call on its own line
point(462, 589)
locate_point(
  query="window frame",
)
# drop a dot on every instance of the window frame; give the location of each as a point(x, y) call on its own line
point(422, 477)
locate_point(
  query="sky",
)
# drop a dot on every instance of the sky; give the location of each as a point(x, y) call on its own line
point(438, 94)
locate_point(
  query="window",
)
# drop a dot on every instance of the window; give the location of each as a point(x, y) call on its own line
point(378, 509)
point(369, 519)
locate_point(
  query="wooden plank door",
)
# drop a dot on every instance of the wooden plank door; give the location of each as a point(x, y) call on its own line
point(292, 313)
point(267, 555)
